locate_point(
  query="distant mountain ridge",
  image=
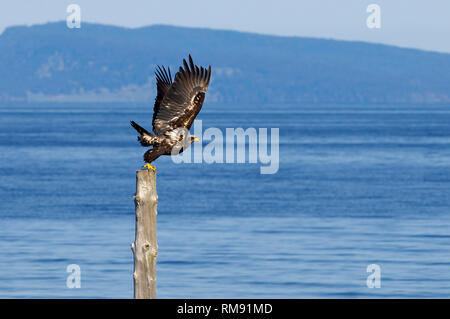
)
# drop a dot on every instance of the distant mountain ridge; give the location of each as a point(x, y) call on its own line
point(51, 62)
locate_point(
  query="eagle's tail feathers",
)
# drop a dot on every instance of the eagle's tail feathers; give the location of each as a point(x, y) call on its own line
point(140, 129)
point(146, 138)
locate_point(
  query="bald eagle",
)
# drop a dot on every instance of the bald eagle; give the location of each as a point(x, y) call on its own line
point(177, 104)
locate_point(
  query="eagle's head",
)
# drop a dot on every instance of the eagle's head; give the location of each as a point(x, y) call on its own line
point(194, 139)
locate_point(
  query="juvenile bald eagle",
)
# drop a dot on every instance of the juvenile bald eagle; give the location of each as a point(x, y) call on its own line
point(177, 104)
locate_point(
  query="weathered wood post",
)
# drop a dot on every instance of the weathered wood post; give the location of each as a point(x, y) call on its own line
point(145, 247)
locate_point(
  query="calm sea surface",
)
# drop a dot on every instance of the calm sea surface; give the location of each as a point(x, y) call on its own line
point(356, 186)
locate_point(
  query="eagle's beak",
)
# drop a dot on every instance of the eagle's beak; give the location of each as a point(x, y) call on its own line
point(196, 139)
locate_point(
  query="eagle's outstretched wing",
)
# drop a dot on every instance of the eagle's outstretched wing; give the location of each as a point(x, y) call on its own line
point(163, 84)
point(184, 100)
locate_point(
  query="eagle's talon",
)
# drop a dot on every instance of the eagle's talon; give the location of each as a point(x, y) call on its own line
point(148, 166)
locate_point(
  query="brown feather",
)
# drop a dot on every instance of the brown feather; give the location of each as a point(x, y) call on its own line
point(163, 84)
point(184, 100)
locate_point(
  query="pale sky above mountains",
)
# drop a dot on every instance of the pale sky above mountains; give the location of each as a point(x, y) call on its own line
point(406, 23)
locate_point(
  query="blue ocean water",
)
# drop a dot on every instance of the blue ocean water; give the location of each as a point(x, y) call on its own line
point(357, 185)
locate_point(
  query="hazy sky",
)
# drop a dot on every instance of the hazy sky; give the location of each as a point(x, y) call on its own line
point(408, 23)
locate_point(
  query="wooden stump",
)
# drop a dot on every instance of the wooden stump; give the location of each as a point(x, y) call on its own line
point(145, 247)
